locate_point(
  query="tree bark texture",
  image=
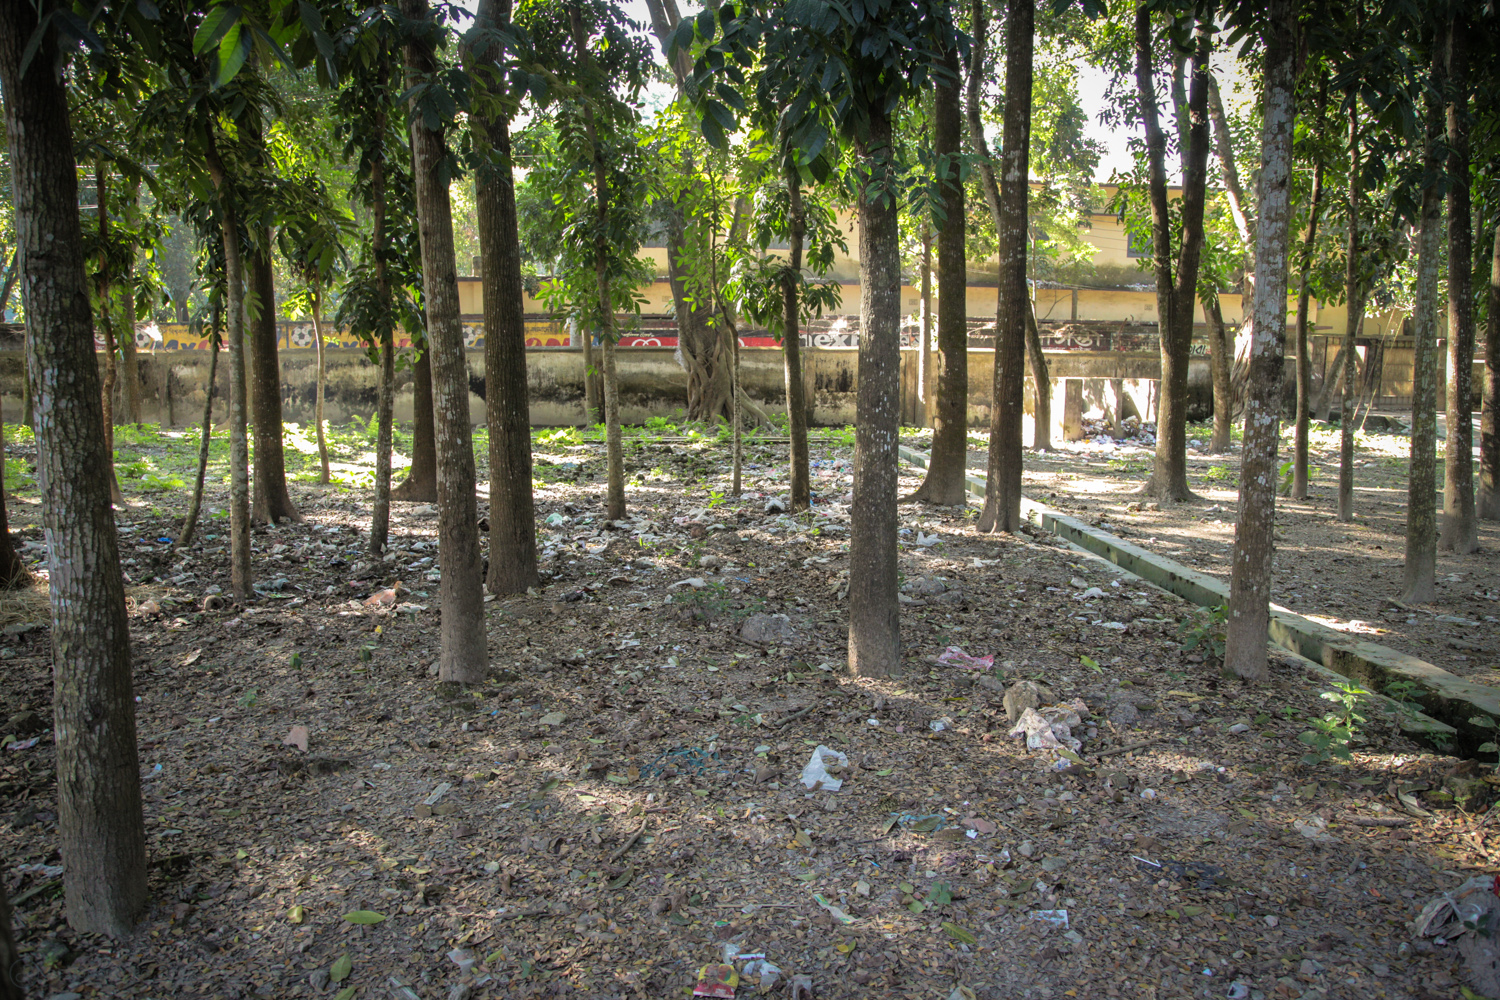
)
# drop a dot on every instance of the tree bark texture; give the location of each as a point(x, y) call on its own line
point(1254, 536)
point(13, 571)
point(317, 321)
point(1353, 313)
point(1304, 362)
point(1489, 415)
point(1224, 149)
point(420, 485)
point(190, 523)
point(1220, 361)
point(464, 657)
point(385, 395)
point(1460, 530)
point(239, 443)
point(791, 345)
point(1418, 578)
point(1041, 378)
point(128, 358)
point(507, 411)
point(101, 829)
point(273, 503)
point(1175, 302)
point(925, 380)
point(874, 610)
point(944, 482)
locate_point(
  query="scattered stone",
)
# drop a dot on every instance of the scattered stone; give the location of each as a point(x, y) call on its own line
point(318, 980)
point(1026, 694)
point(768, 629)
point(925, 586)
point(1124, 713)
point(710, 562)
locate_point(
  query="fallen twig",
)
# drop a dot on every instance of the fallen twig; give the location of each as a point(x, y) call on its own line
point(628, 844)
point(1128, 748)
point(800, 713)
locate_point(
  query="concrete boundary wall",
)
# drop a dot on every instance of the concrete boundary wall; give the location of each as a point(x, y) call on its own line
point(1448, 700)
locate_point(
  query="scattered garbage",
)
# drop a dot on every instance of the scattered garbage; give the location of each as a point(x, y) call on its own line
point(1026, 694)
point(696, 582)
point(1238, 990)
point(818, 774)
point(775, 506)
point(24, 744)
point(802, 988)
point(680, 759)
point(832, 910)
point(763, 971)
point(557, 520)
point(921, 822)
point(717, 980)
point(953, 656)
point(1200, 874)
point(1051, 728)
point(1055, 918)
point(1315, 828)
point(1465, 917)
point(296, 737)
point(938, 725)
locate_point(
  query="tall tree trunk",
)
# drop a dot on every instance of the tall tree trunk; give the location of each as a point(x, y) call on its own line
point(1304, 363)
point(593, 391)
point(105, 292)
point(239, 444)
point(1353, 313)
point(791, 342)
point(1489, 416)
point(614, 498)
point(273, 503)
point(421, 484)
point(317, 319)
point(464, 658)
point(101, 829)
point(9, 284)
point(190, 523)
point(512, 510)
point(924, 332)
point(130, 362)
point(1041, 377)
point(13, 571)
point(699, 347)
point(1002, 500)
point(385, 397)
point(1175, 302)
point(1254, 535)
point(1224, 149)
point(944, 482)
point(1418, 579)
point(874, 610)
point(1460, 531)
point(1221, 361)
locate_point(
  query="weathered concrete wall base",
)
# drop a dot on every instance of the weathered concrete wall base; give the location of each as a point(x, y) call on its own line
point(1449, 701)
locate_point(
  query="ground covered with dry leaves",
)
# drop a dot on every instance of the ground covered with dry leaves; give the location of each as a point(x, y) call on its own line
point(620, 803)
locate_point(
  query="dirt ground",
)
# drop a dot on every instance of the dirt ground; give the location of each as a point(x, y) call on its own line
point(1345, 575)
point(620, 803)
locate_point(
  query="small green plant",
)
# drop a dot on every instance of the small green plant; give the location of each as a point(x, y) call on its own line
point(1205, 629)
point(1091, 663)
point(1486, 722)
point(1221, 474)
point(248, 699)
point(1286, 478)
point(1405, 706)
point(715, 498)
point(1331, 735)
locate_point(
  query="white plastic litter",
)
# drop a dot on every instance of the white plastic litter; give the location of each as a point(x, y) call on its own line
point(816, 775)
point(1051, 727)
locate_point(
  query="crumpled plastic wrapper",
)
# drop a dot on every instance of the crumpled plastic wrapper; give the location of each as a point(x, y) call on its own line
point(1051, 727)
point(1469, 917)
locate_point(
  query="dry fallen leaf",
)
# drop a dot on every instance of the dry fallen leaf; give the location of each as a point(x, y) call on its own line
point(192, 658)
point(296, 738)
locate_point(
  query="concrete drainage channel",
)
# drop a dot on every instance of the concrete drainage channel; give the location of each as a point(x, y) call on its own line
point(1450, 702)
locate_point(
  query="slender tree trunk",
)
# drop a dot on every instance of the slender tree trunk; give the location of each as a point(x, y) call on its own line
point(10, 956)
point(614, 504)
point(385, 398)
point(944, 482)
point(791, 342)
point(507, 411)
point(464, 657)
point(736, 422)
point(1418, 583)
point(1224, 149)
point(1002, 500)
point(272, 502)
point(874, 611)
point(317, 320)
point(104, 290)
point(421, 484)
point(593, 407)
point(130, 362)
point(924, 332)
point(101, 830)
point(1353, 313)
point(1175, 303)
point(1460, 531)
point(13, 571)
point(1489, 417)
point(1254, 536)
point(239, 444)
point(1304, 363)
point(190, 523)
point(1041, 376)
point(28, 412)
point(9, 284)
point(1220, 360)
